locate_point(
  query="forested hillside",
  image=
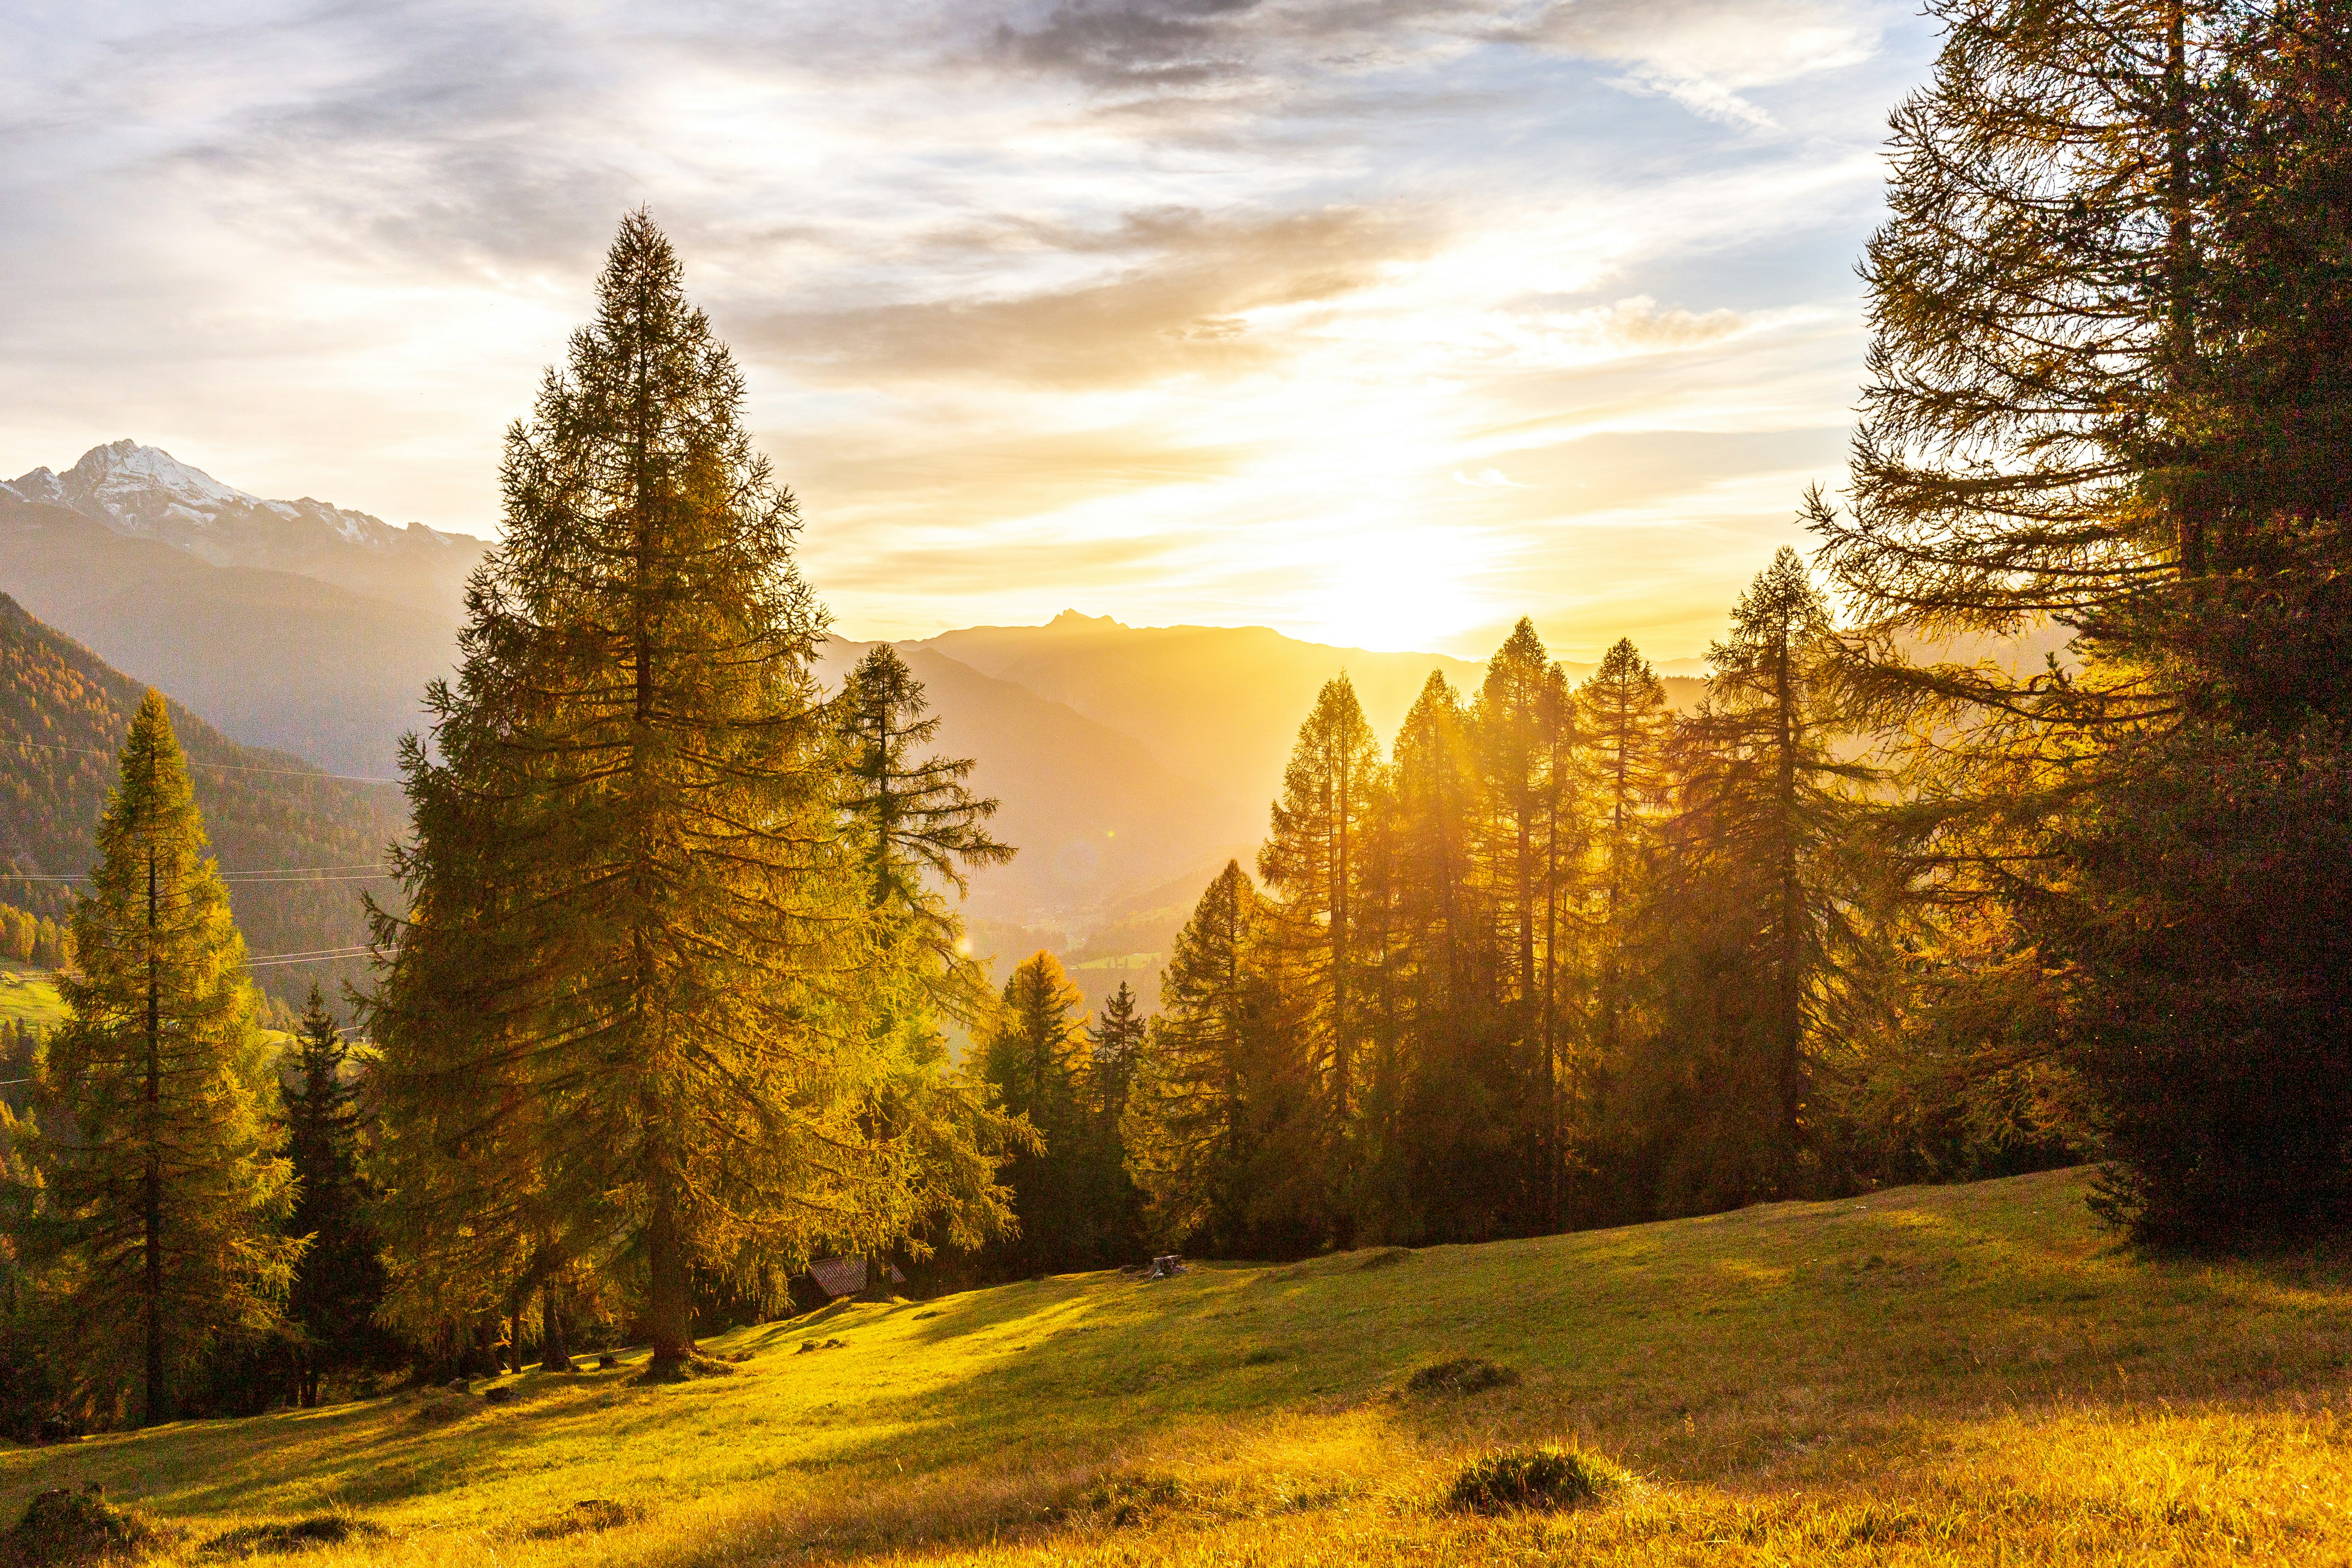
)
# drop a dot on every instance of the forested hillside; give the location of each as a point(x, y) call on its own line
point(295, 845)
point(273, 657)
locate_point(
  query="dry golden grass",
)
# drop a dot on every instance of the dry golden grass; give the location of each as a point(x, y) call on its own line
point(1929, 1376)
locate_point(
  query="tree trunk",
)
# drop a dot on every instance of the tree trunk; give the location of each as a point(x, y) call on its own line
point(554, 1354)
point(156, 1399)
point(669, 1314)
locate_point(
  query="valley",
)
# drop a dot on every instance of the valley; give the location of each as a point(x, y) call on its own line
point(1129, 762)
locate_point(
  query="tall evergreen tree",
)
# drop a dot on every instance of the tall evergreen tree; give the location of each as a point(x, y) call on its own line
point(163, 1184)
point(1313, 859)
point(340, 1282)
point(2106, 364)
point(610, 1014)
point(913, 821)
point(1115, 1049)
point(1621, 712)
point(912, 825)
point(1036, 1056)
point(1528, 841)
point(1221, 1131)
point(1464, 1088)
point(1756, 908)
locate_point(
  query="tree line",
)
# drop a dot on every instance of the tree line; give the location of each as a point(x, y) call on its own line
point(1903, 899)
point(663, 1012)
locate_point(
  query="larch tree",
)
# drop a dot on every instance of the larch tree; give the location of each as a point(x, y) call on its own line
point(1313, 859)
point(1036, 1054)
point(1528, 842)
point(1758, 853)
point(610, 1022)
point(1622, 715)
point(1114, 1050)
point(913, 829)
point(162, 1186)
point(1222, 1128)
point(2106, 393)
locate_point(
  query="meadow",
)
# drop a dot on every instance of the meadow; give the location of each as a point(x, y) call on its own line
point(30, 995)
point(1967, 1373)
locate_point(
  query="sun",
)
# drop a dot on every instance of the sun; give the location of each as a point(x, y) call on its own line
point(1400, 590)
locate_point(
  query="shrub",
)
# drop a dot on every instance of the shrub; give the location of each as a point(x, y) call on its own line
point(63, 1527)
point(1463, 1375)
point(1535, 1478)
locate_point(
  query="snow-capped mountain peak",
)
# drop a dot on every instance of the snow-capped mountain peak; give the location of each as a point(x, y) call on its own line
point(147, 493)
point(126, 477)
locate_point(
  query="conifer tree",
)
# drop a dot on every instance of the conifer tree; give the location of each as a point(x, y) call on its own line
point(911, 824)
point(1115, 1048)
point(161, 1184)
point(1758, 899)
point(1312, 858)
point(339, 1281)
point(609, 1017)
point(1621, 712)
point(1036, 1056)
point(1529, 842)
point(1220, 1130)
point(911, 818)
point(2106, 393)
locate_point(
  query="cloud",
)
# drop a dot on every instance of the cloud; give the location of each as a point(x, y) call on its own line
point(1160, 302)
point(1704, 54)
point(1183, 310)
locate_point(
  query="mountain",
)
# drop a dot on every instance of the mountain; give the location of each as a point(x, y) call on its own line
point(273, 657)
point(63, 715)
point(1094, 815)
point(1132, 762)
point(1221, 704)
point(144, 492)
point(1218, 704)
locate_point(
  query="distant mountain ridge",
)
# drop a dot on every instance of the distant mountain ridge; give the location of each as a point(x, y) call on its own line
point(1132, 761)
point(1221, 704)
point(144, 492)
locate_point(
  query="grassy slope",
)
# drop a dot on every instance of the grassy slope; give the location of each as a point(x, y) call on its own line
point(30, 995)
point(1927, 1376)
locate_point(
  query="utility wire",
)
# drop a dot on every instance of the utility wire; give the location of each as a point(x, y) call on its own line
point(216, 767)
point(367, 871)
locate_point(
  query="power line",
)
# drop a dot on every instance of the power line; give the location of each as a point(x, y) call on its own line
point(216, 767)
point(324, 955)
point(364, 871)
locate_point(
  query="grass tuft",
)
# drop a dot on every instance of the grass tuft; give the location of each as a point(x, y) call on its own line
point(1542, 1479)
point(586, 1517)
point(1131, 1497)
point(319, 1530)
point(1386, 1258)
point(1461, 1375)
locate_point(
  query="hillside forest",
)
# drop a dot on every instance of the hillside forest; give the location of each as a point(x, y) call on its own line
point(2008, 830)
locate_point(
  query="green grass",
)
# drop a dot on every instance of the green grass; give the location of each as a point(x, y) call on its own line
point(30, 995)
point(1927, 1376)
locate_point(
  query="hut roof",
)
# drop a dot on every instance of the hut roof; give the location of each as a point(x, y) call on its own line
point(838, 1276)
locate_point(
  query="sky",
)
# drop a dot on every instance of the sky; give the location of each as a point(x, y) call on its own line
point(1382, 322)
